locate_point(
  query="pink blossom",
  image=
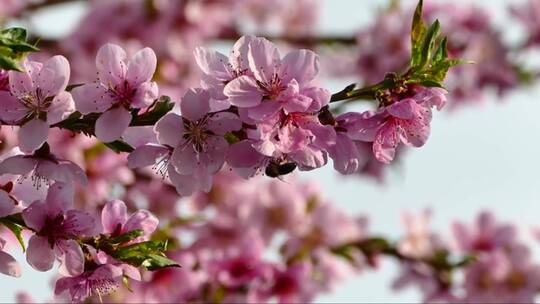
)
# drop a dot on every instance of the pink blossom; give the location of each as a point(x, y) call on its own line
point(198, 142)
point(298, 136)
point(8, 265)
point(42, 167)
point(57, 226)
point(277, 84)
point(122, 85)
point(528, 13)
point(406, 120)
point(418, 241)
point(485, 235)
point(37, 99)
point(103, 280)
point(7, 201)
point(218, 70)
point(115, 220)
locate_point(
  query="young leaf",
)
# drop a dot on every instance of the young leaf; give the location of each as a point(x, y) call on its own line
point(417, 35)
point(429, 43)
point(15, 228)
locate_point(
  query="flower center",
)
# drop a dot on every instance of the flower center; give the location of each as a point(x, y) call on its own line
point(271, 89)
point(196, 133)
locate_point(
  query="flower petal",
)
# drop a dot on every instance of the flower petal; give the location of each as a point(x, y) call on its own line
point(39, 253)
point(110, 63)
point(213, 63)
point(53, 76)
point(301, 65)
point(92, 98)
point(18, 164)
point(66, 172)
point(59, 198)
point(386, 143)
point(11, 109)
point(61, 107)
point(143, 220)
point(146, 155)
point(195, 104)
point(264, 60)
point(169, 130)
point(145, 95)
point(113, 215)
point(243, 92)
point(7, 204)
point(21, 83)
point(111, 125)
point(224, 122)
point(32, 135)
point(9, 266)
point(71, 258)
point(141, 67)
point(184, 160)
point(34, 215)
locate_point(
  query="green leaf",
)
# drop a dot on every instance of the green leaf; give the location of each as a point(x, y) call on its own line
point(126, 237)
point(15, 228)
point(429, 43)
point(119, 146)
point(442, 51)
point(155, 262)
point(417, 35)
point(162, 107)
point(15, 33)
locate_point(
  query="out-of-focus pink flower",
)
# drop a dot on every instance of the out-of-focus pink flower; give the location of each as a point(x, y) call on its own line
point(37, 99)
point(198, 141)
point(122, 85)
point(418, 241)
point(8, 265)
point(528, 14)
point(57, 226)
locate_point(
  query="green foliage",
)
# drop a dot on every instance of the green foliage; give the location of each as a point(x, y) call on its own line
point(429, 55)
point(149, 254)
point(13, 48)
point(16, 225)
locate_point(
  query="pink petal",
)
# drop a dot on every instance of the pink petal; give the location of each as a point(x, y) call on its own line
point(386, 142)
point(146, 94)
point(139, 136)
point(364, 127)
point(66, 172)
point(403, 109)
point(345, 155)
point(141, 67)
point(264, 110)
point(243, 155)
point(131, 272)
point(113, 215)
point(111, 125)
point(32, 135)
point(214, 155)
point(18, 164)
point(110, 63)
point(59, 198)
point(34, 215)
point(53, 76)
point(184, 160)
point(21, 83)
point(71, 258)
point(9, 266)
point(61, 107)
point(415, 131)
point(169, 130)
point(92, 98)
point(39, 253)
point(301, 65)
point(11, 109)
point(238, 57)
point(7, 204)
point(213, 63)
point(185, 184)
point(264, 59)
point(224, 122)
point(243, 92)
point(143, 220)
point(146, 155)
point(80, 223)
point(195, 104)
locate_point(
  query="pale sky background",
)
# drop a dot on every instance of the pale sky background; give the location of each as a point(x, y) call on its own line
point(479, 157)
